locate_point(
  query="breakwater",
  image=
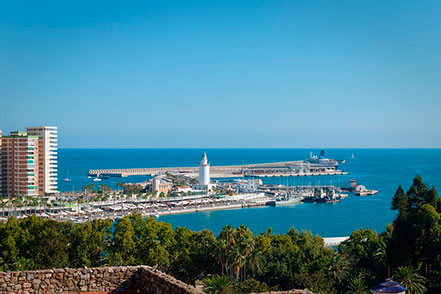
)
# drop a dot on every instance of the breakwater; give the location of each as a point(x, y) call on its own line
point(124, 279)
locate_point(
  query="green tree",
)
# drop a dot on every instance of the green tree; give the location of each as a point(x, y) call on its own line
point(252, 285)
point(234, 247)
point(122, 251)
point(409, 278)
point(358, 286)
point(218, 285)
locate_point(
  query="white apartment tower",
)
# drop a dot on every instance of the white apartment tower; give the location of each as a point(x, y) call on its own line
point(48, 163)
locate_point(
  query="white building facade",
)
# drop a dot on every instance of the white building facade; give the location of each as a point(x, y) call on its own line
point(48, 157)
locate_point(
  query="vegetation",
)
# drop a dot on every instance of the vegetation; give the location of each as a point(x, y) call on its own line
point(236, 261)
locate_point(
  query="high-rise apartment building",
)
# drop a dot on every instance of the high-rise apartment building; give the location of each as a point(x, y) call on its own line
point(19, 165)
point(28, 162)
point(48, 163)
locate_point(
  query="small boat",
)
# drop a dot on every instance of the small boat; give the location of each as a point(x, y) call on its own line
point(96, 180)
point(353, 156)
point(342, 195)
point(67, 179)
point(287, 201)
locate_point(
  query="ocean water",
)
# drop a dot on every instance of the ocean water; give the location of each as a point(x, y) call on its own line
point(380, 169)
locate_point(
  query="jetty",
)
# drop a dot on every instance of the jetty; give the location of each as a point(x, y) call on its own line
point(274, 169)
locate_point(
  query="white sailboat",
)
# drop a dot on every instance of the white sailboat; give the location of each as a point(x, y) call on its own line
point(353, 156)
point(67, 179)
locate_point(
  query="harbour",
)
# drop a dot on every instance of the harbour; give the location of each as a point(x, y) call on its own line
point(373, 168)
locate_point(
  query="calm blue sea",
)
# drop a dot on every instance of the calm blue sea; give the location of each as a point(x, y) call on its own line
point(380, 169)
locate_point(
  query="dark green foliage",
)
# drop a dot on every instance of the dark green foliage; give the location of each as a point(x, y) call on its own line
point(410, 247)
point(133, 188)
point(409, 278)
point(219, 285)
point(252, 286)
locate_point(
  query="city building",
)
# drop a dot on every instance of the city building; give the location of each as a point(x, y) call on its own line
point(160, 185)
point(28, 162)
point(248, 186)
point(48, 163)
point(204, 176)
point(183, 189)
point(19, 165)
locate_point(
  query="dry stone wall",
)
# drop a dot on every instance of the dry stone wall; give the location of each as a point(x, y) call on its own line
point(130, 279)
point(295, 291)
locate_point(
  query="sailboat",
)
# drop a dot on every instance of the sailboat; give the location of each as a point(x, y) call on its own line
point(67, 179)
point(353, 156)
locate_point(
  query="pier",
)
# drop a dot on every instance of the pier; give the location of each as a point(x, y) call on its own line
point(275, 169)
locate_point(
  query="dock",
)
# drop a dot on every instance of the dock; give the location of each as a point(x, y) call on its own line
point(274, 169)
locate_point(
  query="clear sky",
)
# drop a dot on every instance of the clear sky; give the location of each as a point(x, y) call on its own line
point(224, 73)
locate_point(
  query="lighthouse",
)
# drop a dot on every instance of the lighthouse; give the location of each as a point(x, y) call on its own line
point(204, 177)
point(204, 171)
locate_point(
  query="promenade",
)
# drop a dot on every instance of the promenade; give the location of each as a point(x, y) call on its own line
point(118, 208)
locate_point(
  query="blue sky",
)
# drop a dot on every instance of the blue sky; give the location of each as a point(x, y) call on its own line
point(224, 73)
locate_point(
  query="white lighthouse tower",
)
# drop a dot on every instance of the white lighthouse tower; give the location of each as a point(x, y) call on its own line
point(204, 171)
point(204, 177)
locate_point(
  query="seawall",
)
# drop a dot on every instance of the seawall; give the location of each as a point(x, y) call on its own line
point(123, 280)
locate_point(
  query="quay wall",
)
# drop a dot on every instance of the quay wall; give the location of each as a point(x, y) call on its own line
point(123, 280)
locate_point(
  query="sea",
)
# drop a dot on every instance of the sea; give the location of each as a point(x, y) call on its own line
point(380, 169)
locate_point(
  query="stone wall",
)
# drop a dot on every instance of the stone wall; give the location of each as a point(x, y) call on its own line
point(295, 291)
point(130, 279)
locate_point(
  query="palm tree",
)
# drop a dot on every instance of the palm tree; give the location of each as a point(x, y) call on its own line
point(339, 267)
point(121, 184)
point(358, 286)
point(254, 261)
point(3, 205)
point(409, 278)
point(222, 251)
point(218, 285)
point(43, 203)
point(233, 248)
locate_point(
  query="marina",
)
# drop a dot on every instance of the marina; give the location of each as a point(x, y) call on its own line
point(372, 168)
point(182, 192)
point(147, 207)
